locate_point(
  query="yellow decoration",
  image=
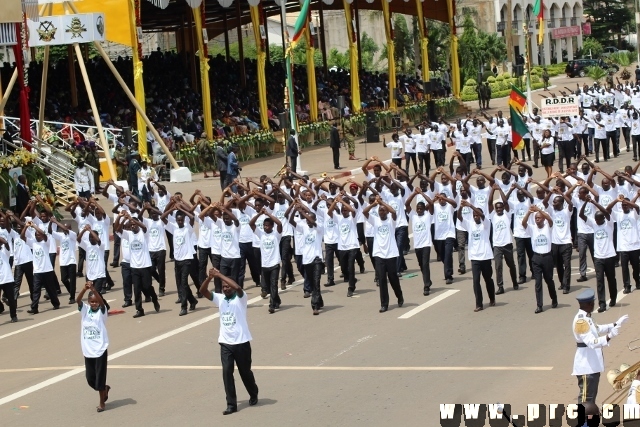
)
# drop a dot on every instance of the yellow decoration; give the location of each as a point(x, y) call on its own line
point(117, 29)
point(138, 83)
point(311, 76)
point(581, 326)
point(353, 60)
point(391, 54)
point(424, 43)
point(262, 58)
point(455, 67)
point(204, 76)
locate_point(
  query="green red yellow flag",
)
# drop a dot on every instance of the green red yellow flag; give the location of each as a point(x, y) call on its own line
point(538, 9)
point(517, 99)
point(299, 26)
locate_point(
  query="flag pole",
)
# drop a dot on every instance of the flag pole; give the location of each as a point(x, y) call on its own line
point(527, 59)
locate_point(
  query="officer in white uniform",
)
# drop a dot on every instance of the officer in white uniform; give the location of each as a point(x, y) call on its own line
point(588, 362)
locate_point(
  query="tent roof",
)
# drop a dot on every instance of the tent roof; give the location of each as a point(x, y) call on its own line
point(178, 12)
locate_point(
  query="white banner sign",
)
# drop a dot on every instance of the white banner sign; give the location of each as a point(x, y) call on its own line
point(66, 29)
point(560, 106)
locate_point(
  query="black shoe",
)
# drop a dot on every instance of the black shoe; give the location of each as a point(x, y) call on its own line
point(138, 314)
point(582, 279)
point(522, 280)
point(254, 400)
point(127, 304)
point(554, 304)
point(349, 293)
point(55, 307)
point(71, 301)
point(229, 410)
point(114, 265)
point(193, 306)
point(399, 274)
point(337, 168)
point(14, 320)
point(602, 309)
point(565, 291)
point(272, 310)
point(283, 285)
point(156, 306)
point(612, 304)
point(400, 302)
point(329, 284)
point(516, 287)
point(383, 309)
point(161, 293)
point(79, 274)
point(425, 292)
point(560, 287)
point(362, 269)
point(307, 294)
point(32, 311)
point(147, 299)
point(626, 291)
point(538, 310)
point(449, 281)
point(597, 160)
point(199, 294)
point(178, 301)
point(183, 312)
point(500, 290)
point(47, 297)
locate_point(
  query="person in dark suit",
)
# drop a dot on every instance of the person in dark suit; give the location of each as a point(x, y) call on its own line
point(293, 151)
point(49, 183)
point(335, 145)
point(24, 195)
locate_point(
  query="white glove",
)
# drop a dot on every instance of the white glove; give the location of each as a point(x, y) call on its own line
point(621, 321)
point(614, 332)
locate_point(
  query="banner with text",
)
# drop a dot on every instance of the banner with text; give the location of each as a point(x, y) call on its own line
point(560, 106)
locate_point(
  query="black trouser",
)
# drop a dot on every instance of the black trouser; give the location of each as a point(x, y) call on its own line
point(127, 281)
point(52, 258)
point(96, 371)
point(612, 136)
point(11, 300)
point(582, 142)
point(182, 270)
point(116, 249)
point(536, 152)
point(314, 272)
point(503, 154)
point(286, 253)
point(605, 148)
point(635, 139)
point(270, 284)
point(25, 270)
point(423, 255)
point(170, 243)
point(141, 278)
point(293, 162)
point(46, 280)
point(524, 251)
point(193, 271)
point(424, 159)
point(336, 157)
point(306, 285)
point(247, 256)
point(506, 252)
point(331, 252)
point(204, 255)
point(410, 157)
point(223, 179)
point(527, 148)
point(543, 269)
point(588, 387)
point(240, 354)
point(158, 267)
point(626, 132)
point(216, 259)
point(68, 278)
point(386, 268)
point(230, 267)
point(606, 267)
point(585, 241)
point(565, 152)
point(467, 157)
point(634, 258)
point(477, 153)
point(444, 248)
point(491, 145)
point(438, 156)
point(402, 235)
point(349, 265)
point(562, 260)
point(110, 283)
point(373, 260)
point(483, 267)
point(82, 255)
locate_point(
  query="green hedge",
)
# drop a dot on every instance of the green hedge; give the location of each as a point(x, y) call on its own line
point(496, 94)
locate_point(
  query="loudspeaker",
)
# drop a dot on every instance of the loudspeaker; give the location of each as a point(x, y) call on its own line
point(127, 137)
point(340, 102)
point(372, 120)
point(284, 120)
point(427, 87)
point(373, 134)
point(431, 108)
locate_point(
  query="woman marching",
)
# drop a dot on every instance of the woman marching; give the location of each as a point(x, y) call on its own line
point(94, 341)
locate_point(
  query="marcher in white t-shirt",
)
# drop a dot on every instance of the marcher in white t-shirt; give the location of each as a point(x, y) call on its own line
point(628, 244)
point(348, 244)
point(421, 220)
point(94, 341)
point(561, 244)
point(269, 255)
point(396, 149)
point(502, 237)
point(6, 280)
point(43, 274)
point(67, 241)
point(234, 338)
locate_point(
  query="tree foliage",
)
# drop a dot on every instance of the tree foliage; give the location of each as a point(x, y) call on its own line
point(369, 48)
point(478, 49)
point(403, 41)
point(438, 35)
point(610, 17)
point(591, 46)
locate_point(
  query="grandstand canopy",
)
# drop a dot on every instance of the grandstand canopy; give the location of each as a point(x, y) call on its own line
point(178, 12)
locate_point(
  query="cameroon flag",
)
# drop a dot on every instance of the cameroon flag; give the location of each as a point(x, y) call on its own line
point(299, 26)
point(517, 101)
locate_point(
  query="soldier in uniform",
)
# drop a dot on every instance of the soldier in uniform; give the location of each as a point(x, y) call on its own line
point(120, 157)
point(93, 160)
point(206, 155)
point(349, 136)
point(588, 362)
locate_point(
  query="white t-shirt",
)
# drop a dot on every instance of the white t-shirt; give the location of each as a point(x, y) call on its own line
point(311, 246)
point(347, 232)
point(397, 203)
point(68, 244)
point(421, 228)
point(216, 238)
point(204, 232)
point(6, 275)
point(94, 339)
point(278, 211)
point(155, 234)
point(41, 261)
point(182, 243)
point(384, 237)
point(269, 247)
point(602, 239)
point(561, 232)
point(246, 233)
point(479, 245)
point(549, 149)
point(540, 237)
point(21, 251)
point(443, 220)
point(628, 239)
point(229, 245)
point(501, 225)
point(140, 257)
point(519, 210)
point(422, 144)
point(589, 210)
point(95, 259)
point(101, 228)
point(233, 319)
point(480, 197)
point(409, 143)
point(396, 149)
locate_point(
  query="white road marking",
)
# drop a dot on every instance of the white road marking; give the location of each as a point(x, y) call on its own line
point(429, 303)
point(289, 368)
point(351, 347)
point(46, 322)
